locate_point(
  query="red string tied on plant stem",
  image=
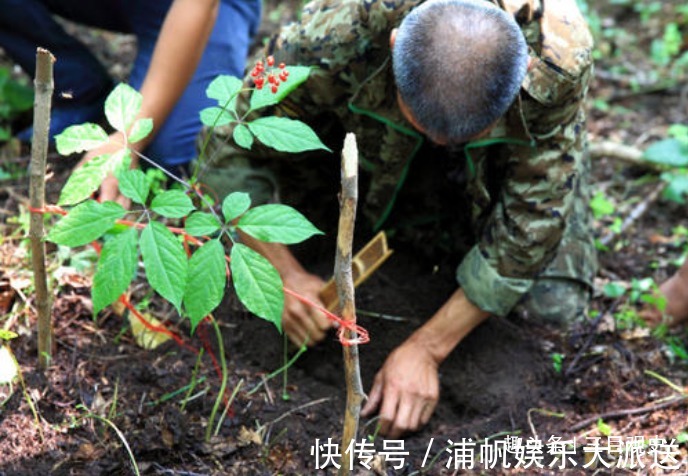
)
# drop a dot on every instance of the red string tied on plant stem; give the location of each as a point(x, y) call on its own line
point(362, 336)
point(54, 209)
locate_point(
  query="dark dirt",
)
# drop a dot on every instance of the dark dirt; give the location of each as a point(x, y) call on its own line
point(500, 379)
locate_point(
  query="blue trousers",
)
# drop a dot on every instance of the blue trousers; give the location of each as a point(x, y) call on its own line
point(26, 24)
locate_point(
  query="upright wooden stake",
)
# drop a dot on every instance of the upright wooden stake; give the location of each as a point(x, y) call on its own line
point(345, 289)
point(43, 85)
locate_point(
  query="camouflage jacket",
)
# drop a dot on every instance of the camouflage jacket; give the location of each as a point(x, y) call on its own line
point(535, 217)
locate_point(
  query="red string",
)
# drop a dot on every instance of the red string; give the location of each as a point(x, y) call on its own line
point(344, 325)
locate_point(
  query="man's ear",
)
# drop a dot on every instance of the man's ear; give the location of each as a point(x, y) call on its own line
point(392, 38)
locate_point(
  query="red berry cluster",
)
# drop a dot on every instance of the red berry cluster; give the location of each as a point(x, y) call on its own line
point(274, 76)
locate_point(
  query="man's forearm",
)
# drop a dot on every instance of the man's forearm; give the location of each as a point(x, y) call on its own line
point(178, 51)
point(454, 321)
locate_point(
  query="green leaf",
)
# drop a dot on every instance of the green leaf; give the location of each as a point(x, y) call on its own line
point(224, 89)
point(265, 97)
point(201, 224)
point(140, 130)
point(165, 262)
point(667, 152)
point(134, 184)
point(614, 290)
point(235, 204)
point(122, 106)
point(677, 187)
point(215, 117)
point(257, 283)
point(7, 335)
point(242, 136)
point(285, 135)
point(601, 206)
point(172, 204)
point(84, 180)
point(277, 223)
point(603, 428)
point(80, 138)
point(206, 283)
point(18, 96)
point(86, 222)
point(116, 269)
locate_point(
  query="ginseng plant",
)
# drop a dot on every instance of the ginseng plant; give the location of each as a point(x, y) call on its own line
point(181, 246)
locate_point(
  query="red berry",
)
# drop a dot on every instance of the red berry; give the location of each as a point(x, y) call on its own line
point(259, 63)
point(259, 85)
point(282, 66)
point(271, 78)
point(255, 72)
point(277, 82)
point(259, 81)
point(286, 72)
point(274, 88)
point(283, 76)
point(271, 60)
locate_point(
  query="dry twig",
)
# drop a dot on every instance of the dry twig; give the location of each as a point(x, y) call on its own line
point(345, 289)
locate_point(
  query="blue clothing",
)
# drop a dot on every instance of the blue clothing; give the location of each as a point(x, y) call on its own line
point(26, 24)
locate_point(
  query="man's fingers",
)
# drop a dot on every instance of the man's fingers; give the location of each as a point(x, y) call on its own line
point(388, 410)
point(402, 421)
point(426, 412)
point(321, 320)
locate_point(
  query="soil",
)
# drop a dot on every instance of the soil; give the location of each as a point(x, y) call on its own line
point(500, 380)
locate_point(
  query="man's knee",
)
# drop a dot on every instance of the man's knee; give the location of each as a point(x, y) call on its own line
point(559, 302)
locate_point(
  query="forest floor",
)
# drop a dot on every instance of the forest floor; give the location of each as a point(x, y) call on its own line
point(609, 377)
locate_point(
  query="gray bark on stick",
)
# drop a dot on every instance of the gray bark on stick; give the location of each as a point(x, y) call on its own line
point(43, 85)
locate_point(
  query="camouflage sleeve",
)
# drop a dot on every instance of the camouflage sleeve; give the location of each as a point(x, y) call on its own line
point(525, 227)
point(526, 224)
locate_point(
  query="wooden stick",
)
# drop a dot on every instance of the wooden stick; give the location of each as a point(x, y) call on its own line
point(43, 85)
point(343, 275)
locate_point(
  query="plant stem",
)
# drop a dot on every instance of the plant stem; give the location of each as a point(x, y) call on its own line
point(44, 86)
point(223, 385)
point(343, 274)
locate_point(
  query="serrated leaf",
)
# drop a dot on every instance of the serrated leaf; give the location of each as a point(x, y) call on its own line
point(172, 204)
point(667, 152)
point(165, 262)
point(215, 116)
point(122, 106)
point(224, 89)
point(206, 283)
point(133, 184)
point(140, 130)
point(80, 138)
point(257, 283)
point(8, 366)
point(84, 180)
point(242, 136)
point(86, 222)
point(235, 204)
point(285, 135)
point(201, 224)
point(116, 269)
point(265, 97)
point(277, 223)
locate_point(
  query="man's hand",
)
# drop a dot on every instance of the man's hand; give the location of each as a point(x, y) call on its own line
point(406, 389)
point(302, 322)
